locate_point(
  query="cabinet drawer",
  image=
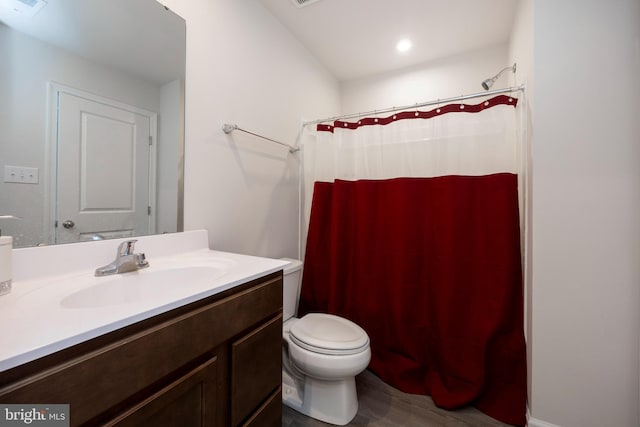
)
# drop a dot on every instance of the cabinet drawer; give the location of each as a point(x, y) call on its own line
point(256, 368)
point(188, 401)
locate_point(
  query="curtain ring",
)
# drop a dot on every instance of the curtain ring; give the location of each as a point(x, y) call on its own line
point(461, 104)
point(438, 106)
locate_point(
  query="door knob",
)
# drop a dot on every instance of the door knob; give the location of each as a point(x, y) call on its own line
point(68, 224)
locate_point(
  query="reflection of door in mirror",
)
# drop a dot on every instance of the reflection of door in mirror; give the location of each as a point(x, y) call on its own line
point(106, 148)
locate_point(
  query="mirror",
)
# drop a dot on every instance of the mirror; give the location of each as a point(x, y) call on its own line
point(83, 86)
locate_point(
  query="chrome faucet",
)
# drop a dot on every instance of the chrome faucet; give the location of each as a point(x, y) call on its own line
point(126, 260)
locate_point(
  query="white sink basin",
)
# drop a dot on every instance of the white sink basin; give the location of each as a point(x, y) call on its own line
point(57, 302)
point(143, 285)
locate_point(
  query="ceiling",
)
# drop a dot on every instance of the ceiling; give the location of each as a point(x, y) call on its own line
point(352, 38)
point(356, 38)
point(141, 38)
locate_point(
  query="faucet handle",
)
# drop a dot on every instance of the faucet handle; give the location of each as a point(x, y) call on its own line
point(141, 260)
point(126, 248)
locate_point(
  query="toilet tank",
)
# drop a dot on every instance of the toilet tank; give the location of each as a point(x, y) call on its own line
point(291, 287)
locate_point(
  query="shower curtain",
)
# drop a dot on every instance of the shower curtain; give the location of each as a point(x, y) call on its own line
point(414, 234)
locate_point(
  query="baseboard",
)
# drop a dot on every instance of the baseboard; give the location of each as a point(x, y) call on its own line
point(533, 422)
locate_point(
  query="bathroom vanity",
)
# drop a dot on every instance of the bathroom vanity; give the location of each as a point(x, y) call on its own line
point(211, 357)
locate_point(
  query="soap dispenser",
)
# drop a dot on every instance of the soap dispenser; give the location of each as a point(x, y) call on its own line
point(6, 272)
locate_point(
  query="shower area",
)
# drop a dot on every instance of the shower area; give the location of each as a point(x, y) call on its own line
point(413, 226)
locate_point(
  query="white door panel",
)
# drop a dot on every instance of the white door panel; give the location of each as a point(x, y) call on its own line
point(103, 164)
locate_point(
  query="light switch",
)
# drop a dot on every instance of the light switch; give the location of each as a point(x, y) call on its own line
point(20, 174)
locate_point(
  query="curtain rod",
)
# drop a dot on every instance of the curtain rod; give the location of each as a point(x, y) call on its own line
point(227, 128)
point(417, 105)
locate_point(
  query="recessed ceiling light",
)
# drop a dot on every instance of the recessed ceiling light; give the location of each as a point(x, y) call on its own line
point(404, 45)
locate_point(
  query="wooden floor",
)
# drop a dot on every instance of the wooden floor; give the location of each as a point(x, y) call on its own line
point(382, 405)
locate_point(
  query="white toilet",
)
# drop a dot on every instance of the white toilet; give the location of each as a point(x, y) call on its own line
point(321, 356)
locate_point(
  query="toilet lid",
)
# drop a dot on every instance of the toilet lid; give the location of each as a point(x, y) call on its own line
point(328, 334)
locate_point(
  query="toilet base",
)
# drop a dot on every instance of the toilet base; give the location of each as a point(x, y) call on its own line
point(334, 402)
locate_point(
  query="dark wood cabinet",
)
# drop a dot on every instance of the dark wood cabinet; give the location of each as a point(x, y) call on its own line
point(215, 362)
point(252, 382)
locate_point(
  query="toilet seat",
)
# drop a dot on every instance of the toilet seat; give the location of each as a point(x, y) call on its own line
point(328, 334)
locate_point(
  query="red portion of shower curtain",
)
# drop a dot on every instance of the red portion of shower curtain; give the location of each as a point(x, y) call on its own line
point(431, 269)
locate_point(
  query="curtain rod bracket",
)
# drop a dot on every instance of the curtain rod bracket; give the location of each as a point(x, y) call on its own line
point(226, 128)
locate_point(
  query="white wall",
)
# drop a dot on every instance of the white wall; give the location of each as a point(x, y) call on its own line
point(243, 67)
point(170, 142)
point(444, 78)
point(521, 47)
point(26, 65)
point(586, 231)
point(521, 53)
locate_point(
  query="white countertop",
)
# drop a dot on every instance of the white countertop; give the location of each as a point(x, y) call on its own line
point(50, 309)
